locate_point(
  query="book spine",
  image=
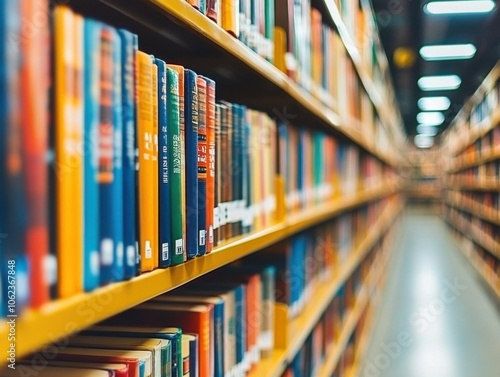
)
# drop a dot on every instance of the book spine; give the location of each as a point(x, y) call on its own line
point(106, 158)
point(164, 208)
point(217, 181)
point(193, 356)
point(219, 350)
point(129, 53)
point(118, 265)
point(68, 160)
point(211, 148)
point(191, 139)
point(91, 155)
point(182, 130)
point(154, 90)
point(246, 145)
point(34, 122)
point(211, 9)
point(236, 171)
point(230, 17)
point(146, 174)
point(175, 165)
point(202, 165)
point(226, 173)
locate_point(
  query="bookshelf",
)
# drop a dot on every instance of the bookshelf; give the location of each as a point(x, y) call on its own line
point(199, 43)
point(471, 195)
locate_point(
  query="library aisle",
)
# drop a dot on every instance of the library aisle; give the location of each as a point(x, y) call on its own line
point(436, 317)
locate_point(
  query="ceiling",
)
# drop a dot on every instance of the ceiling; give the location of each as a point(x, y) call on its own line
point(404, 24)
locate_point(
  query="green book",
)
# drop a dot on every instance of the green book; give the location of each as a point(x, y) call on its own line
point(174, 143)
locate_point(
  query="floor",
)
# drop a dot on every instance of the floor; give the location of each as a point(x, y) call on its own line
point(436, 317)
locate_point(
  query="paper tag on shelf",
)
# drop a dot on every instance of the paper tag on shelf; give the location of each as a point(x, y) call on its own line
point(107, 252)
point(216, 218)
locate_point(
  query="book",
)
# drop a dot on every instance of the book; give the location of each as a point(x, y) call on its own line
point(68, 144)
point(34, 96)
point(175, 167)
point(193, 354)
point(186, 349)
point(91, 227)
point(191, 140)
point(159, 348)
point(170, 333)
point(230, 17)
point(202, 165)
point(116, 370)
point(154, 158)
point(164, 177)
point(147, 169)
point(129, 151)
point(211, 157)
point(182, 131)
point(50, 371)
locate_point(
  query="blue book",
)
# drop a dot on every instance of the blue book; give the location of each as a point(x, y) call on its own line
point(117, 186)
point(129, 51)
point(193, 355)
point(164, 219)
point(237, 163)
point(191, 145)
point(92, 46)
point(14, 215)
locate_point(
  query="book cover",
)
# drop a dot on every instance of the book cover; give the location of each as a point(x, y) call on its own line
point(129, 150)
point(186, 349)
point(172, 334)
point(202, 165)
point(164, 195)
point(175, 167)
point(211, 157)
point(116, 370)
point(68, 144)
point(147, 175)
point(191, 140)
point(34, 86)
point(182, 131)
point(92, 51)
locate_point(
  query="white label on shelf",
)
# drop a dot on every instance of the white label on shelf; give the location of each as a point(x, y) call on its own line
point(210, 234)
point(50, 267)
point(148, 253)
point(130, 255)
point(266, 340)
point(216, 218)
point(94, 262)
point(202, 237)
point(119, 254)
point(107, 251)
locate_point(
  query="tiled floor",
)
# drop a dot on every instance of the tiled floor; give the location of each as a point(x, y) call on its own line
point(436, 317)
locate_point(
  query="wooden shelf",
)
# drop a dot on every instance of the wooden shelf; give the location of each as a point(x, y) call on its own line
point(485, 186)
point(61, 318)
point(478, 212)
point(299, 328)
point(492, 156)
point(227, 60)
point(491, 247)
point(496, 290)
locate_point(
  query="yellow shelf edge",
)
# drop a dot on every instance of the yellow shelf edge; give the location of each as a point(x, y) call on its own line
point(213, 32)
point(276, 364)
point(60, 318)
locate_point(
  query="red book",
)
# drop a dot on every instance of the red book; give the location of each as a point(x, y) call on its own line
point(34, 98)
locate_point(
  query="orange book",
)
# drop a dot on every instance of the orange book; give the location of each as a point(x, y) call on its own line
point(34, 97)
point(148, 164)
point(230, 16)
point(68, 160)
point(316, 44)
point(210, 123)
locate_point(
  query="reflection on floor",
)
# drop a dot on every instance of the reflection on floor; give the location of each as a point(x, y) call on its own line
point(437, 318)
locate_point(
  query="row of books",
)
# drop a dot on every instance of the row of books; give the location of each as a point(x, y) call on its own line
point(482, 231)
point(487, 173)
point(484, 147)
point(477, 201)
point(487, 264)
point(221, 324)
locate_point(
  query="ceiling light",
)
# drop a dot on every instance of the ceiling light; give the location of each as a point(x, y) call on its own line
point(424, 129)
point(454, 7)
point(434, 103)
point(423, 141)
point(448, 52)
point(430, 118)
point(446, 82)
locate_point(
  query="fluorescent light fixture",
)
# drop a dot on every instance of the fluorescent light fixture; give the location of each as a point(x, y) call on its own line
point(423, 141)
point(424, 129)
point(457, 7)
point(430, 118)
point(448, 52)
point(445, 82)
point(434, 103)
